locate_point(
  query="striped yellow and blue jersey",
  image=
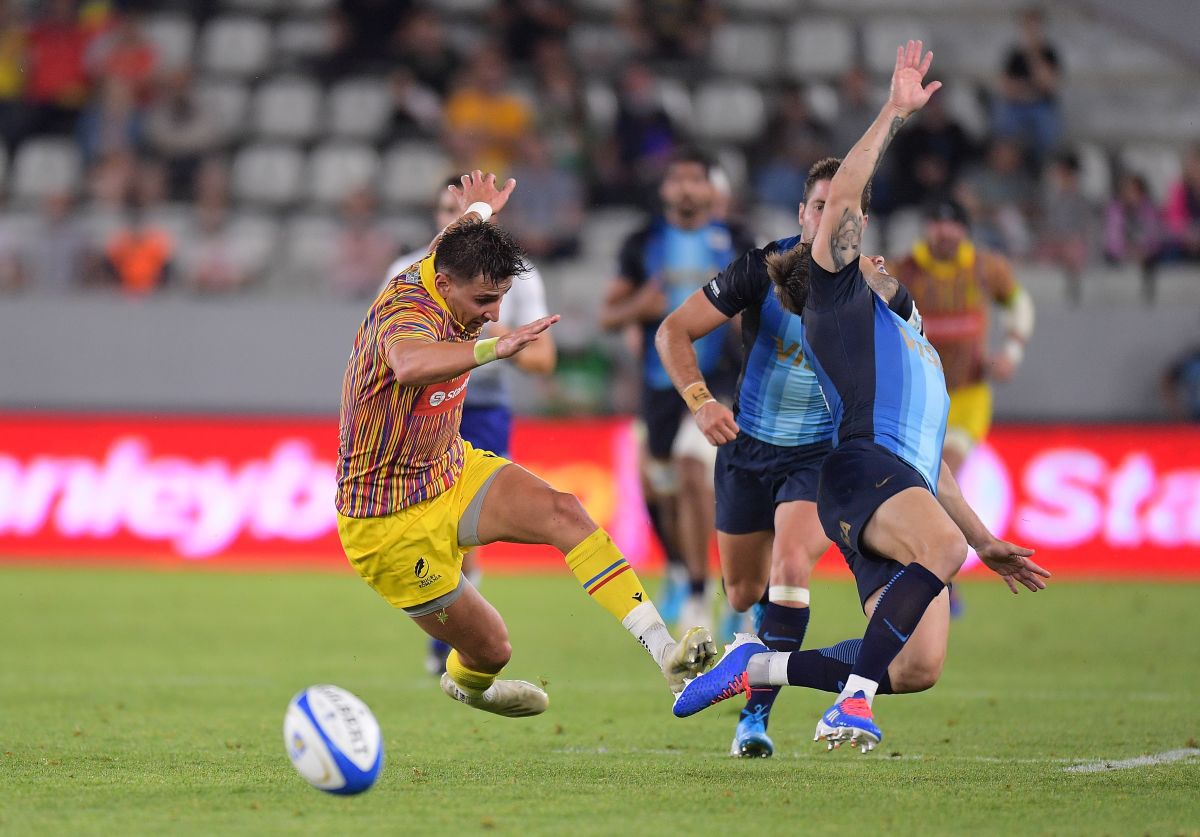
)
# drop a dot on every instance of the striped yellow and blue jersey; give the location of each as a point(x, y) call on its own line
point(399, 445)
point(881, 378)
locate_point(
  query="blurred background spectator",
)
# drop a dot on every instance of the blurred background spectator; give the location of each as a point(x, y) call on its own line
point(364, 247)
point(1181, 386)
point(1027, 106)
point(1182, 212)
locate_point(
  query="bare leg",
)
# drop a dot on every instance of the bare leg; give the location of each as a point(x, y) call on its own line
point(697, 508)
point(472, 627)
point(745, 566)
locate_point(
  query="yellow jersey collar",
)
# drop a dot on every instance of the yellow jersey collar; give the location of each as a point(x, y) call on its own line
point(963, 260)
point(427, 275)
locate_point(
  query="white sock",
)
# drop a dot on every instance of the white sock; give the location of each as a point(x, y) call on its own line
point(854, 683)
point(649, 629)
point(769, 669)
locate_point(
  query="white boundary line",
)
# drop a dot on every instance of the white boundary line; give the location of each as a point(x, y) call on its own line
point(1186, 754)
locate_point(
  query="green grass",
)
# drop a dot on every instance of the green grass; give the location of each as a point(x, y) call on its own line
point(145, 702)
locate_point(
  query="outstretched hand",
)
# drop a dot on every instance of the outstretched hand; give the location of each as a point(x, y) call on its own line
point(477, 186)
point(1011, 563)
point(908, 93)
point(517, 339)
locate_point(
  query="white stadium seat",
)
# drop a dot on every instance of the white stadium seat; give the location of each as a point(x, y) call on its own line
point(824, 101)
point(1095, 172)
point(730, 111)
point(338, 168)
point(46, 166)
point(600, 102)
point(235, 45)
point(677, 102)
point(761, 8)
point(173, 36)
point(309, 242)
point(1159, 164)
point(287, 108)
point(268, 173)
point(452, 8)
point(882, 36)
point(746, 50)
point(229, 100)
point(303, 38)
point(255, 239)
point(819, 47)
point(358, 108)
point(413, 172)
point(253, 6)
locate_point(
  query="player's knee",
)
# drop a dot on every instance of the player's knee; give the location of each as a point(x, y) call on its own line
point(743, 594)
point(916, 674)
point(694, 476)
point(945, 552)
point(494, 653)
point(566, 508)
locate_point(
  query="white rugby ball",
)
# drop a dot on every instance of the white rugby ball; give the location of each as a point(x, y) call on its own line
point(333, 740)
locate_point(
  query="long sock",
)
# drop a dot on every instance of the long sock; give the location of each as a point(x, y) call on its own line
point(826, 669)
point(609, 579)
point(783, 629)
point(896, 616)
point(472, 683)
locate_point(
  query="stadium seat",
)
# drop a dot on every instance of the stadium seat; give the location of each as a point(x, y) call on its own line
point(338, 168)
point(229, 101)
point(173, 36)
point(45, 166)
point(456, 8)
point(771, 223)
point(903, 227)
point(962, 103)
point(303, 38)
point(729, 111)
point(1095, 172)
point(413, 172)
point(410, 230)
point(268, 173)
point(732, 160)
point(600, 8)
point(881, 36)
point(358, 108)
point(598, 46)
point(824, 101)
point(760, 8)
point(600, 102)
point(677, 102)
point(745, 50)
point(237, 45)
point(819, 46)
point(258, 7)
point(607, 229)
point(287, 108)
point(309, 242)
point(1159, 164)
point(255, 239)
point(311, 6)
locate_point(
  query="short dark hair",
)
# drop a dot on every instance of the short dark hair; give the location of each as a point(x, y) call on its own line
point(470, 248)
point(825, 169)
point(692, 154)
point(789, 270)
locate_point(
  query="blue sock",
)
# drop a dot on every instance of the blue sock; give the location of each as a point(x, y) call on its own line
point(900, 608)
point(782, 629)
point(827, 668)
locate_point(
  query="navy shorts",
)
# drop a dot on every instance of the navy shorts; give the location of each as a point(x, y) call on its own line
point(753, 477)
point(857, 478)
point(488, 428)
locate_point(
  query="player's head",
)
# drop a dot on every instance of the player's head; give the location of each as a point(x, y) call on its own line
point(816, 193)
point(687, 189)
point(446, 211)
point(475, 265)
point(946, 227)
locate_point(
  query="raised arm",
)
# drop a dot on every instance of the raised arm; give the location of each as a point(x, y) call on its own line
point(477, 197)
point(839, 235)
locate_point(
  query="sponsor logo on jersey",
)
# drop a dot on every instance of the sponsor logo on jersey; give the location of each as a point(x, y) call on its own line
point(443, 397)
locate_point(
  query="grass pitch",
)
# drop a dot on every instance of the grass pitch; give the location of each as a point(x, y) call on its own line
point(152, 703)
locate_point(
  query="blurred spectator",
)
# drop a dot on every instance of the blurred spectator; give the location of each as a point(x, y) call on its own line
point(528, 23)
point(112, 122)
point(561, 114)
point(56, 84)
point(1066, 221)
point(181, 129)
point(794, 140)
point(426, 52)
point(999, 196)
point(1181, 386)
point(1132, 229)
point(110, 182)
point(546, 212)
point(629, 169)
point(928, 157)
point(125, 53)
point(673, 30)
point(140, 253)
point(367, 35)
point(416, 109)
point(13, 40)
point(1182, 210)
point(856, 110)
point(1027, 107)
point(59, 258)
point(364, 247)
point(209, 260)
point(484, 118)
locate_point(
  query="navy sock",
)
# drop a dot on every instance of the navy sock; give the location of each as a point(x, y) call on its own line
point(783, 629)
point(900, 608)
point(827, 668)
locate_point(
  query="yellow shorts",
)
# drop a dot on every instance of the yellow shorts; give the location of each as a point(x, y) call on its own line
point(414, 556)
point(970, 412)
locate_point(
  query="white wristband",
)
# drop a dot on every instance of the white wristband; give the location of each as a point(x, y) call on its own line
point(1014, 349)
point(481, 209)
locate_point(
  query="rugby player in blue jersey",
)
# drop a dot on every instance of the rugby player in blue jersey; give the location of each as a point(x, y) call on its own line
point(876, 497)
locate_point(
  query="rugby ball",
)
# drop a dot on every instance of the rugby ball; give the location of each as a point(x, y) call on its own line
point(333, 740)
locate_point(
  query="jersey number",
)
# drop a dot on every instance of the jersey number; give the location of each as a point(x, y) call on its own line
point(791, 352)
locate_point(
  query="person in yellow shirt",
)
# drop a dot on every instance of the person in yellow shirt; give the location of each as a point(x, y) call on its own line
point(484, 119)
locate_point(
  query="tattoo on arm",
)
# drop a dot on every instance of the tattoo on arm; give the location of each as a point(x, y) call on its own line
point(897, 122)
point(846, 241)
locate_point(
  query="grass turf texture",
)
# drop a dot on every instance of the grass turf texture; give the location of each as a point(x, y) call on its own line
point(152, 702)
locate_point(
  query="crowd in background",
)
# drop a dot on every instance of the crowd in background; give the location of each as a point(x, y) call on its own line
point(517, 105)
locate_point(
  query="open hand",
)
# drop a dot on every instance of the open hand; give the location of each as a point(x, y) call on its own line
point(908, 93)
point(1011, 563)
point(517, 339)
point(477, 186)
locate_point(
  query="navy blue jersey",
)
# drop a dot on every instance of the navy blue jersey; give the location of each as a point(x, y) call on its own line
point(778, 397)
point(881, 378)
point(681, 261)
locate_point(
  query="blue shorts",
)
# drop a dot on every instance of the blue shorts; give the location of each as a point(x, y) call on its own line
point(753, 477)
point(488, 428)
point(857, 478)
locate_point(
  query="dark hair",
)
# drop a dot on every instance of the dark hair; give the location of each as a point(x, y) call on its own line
point(789, 270)
point(470, 248)
point(1068, 160)
point(825, 169)
point(692, 154)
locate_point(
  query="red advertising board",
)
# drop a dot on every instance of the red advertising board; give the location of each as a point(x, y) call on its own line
point(1115, 501)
